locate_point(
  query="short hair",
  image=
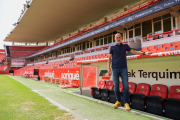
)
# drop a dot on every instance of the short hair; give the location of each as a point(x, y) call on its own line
point(118, 33)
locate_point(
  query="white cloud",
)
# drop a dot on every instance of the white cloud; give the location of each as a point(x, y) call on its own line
point(10, 11)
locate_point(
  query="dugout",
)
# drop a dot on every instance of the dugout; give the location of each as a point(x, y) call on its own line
point(160, 71)
point(158, 68)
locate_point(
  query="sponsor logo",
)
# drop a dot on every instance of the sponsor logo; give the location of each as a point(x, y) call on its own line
point(158, 8)
point(169, 53)
point(92, 33)
point(107, 27)
point(129, 19)
point(49, 74)
point(132, 57)
point(158, 88)
point(166, 74)
point(168, 4)
point(178, 90)
point(30, 72)
point(70, 76)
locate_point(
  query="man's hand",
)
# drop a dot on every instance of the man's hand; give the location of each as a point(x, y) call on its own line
point(109, 71)
point(109, 62)
point(148, 53)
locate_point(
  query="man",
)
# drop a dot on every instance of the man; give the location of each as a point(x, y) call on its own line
point(119, 68)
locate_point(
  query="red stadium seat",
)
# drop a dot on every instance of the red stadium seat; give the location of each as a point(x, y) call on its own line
point(152, 49)
point(176, 45)
point(2, 56)
point(170, 34)
point(173, 103)
point(139, 97)
point(167, 47)
point(165, 35)
point(145, 49)
point(151, 38)
point(156, 37)
point(160, 48)
point(132, 87)
point(155, 101)
point(174, 92)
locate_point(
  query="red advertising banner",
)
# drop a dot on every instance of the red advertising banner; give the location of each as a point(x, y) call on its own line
point(23, 72)
point(17, 62)
point(71, 74)
point(4, 72)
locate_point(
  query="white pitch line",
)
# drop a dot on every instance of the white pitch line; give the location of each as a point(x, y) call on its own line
point(52, 101)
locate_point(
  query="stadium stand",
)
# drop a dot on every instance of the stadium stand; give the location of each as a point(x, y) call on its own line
point(21, 51)
point(2, 56)
point(161, 35)
point(162, 47)
point(2, 60)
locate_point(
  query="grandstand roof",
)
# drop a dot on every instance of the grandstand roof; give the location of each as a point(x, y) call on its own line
point(48, 20)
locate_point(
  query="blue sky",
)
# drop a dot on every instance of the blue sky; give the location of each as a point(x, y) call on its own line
point(10, 11)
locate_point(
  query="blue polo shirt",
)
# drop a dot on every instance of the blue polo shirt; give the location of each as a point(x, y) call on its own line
point(119, 55)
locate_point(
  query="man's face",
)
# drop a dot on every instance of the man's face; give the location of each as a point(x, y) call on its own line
point(118, 38)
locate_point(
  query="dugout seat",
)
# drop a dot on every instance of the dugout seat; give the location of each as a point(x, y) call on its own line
point(156, 99)
point(139, 97)
point(96, 91)
point(172, 109)
point(105, 91)
point(132, 89)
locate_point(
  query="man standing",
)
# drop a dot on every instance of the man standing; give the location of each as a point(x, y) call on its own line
point(119, 68)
